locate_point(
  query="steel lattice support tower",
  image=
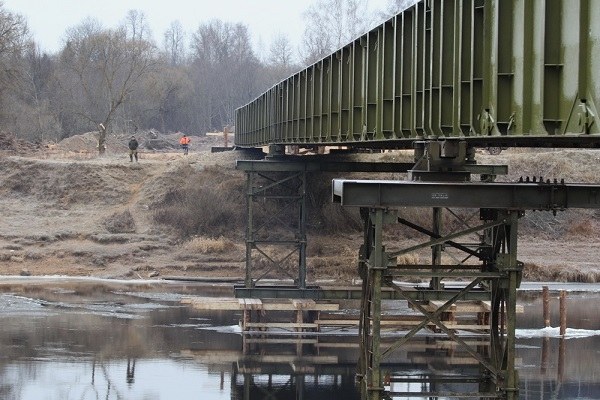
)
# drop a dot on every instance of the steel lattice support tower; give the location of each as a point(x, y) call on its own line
point(498, 275)
point(495, 275)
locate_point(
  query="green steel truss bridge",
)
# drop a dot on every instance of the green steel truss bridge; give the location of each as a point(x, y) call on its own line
point(442, 77)
point(491, 72)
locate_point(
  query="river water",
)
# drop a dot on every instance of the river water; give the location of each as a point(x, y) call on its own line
point(91, 339)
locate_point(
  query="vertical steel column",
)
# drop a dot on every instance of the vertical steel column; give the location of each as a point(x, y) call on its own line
point(436, 251)
point(302, 233)
point(513, 269)
point(377, 267)
point(249, 228)
point(504, 303)
point(373, 262)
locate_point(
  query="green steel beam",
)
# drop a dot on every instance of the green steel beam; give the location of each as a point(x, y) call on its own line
point(320, 164)
point(522, 196)
point(326, 164)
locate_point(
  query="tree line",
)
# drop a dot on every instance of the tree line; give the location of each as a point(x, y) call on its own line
point(120, 80)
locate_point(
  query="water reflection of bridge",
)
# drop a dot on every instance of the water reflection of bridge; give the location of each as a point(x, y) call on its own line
point(323, 366)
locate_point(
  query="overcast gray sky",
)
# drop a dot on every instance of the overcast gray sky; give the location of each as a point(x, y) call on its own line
point(48, 19)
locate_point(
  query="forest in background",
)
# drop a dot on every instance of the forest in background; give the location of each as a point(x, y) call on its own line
point(121, 78)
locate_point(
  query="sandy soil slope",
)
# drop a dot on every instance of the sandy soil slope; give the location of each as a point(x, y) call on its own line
point(63, 210)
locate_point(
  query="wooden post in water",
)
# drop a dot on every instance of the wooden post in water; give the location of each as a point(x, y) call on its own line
point(545, 350)
point(546, 300)
point(563, 312)
point(561, 359)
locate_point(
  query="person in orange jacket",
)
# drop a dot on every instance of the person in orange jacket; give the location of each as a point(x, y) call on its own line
point(185, 144)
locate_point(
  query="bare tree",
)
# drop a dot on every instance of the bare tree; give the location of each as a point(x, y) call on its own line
point(330, 24)
point(395, 6)
point(14, 33)
point(14, 40)
point(280, 60)
point(137, 26)
point(224, 71)
point(31, 95)
point(163, 99)
point(174, 43)
point(102, 67)
point(280, 51)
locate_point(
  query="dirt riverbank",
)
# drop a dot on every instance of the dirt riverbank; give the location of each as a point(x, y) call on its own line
point(66, 211)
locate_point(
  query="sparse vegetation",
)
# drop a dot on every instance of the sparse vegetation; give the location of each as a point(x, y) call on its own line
point(206, 245)
point(209, 203)
point(120, 222)
point(558, 273)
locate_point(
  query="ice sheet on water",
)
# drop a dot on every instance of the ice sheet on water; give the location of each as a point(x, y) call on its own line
point(12, 304)
point(551, 332)
point(181, 326)
point(170, 297)
point(571, 287)
point(223, 329)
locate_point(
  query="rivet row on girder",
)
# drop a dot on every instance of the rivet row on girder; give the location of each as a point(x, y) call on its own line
point(540, 180)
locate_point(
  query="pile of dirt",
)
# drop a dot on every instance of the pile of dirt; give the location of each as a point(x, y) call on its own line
point(64, 182)
point(149, 141)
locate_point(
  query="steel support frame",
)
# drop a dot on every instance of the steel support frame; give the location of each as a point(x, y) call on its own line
point(287, 175)
point(499, 273)
point(278, 192)
point(500, 206)
point(281, 182)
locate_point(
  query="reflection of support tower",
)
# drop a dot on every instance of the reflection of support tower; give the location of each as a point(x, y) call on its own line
point(130, 374)
point(489, 269)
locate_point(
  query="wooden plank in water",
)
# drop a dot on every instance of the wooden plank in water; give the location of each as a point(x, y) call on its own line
point(294, 306)
point(212, 303)
point(338, 345)
point(384, 323)
point(280, 341)
point(463, 307)
point(213, 356)
point(488, 307)
point(420, 359)
point(250, 304)
point(336, 322)
point(226, 303)
point(282, 325)
point(300, 304)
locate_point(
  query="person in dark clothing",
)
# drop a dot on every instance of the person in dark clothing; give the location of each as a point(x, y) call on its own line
point(133, 146)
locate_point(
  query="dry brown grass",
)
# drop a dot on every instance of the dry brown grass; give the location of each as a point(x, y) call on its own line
point(206, 245)
point(409, 259)
point(341, 268)
point(557, 273)
point(209, 203)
